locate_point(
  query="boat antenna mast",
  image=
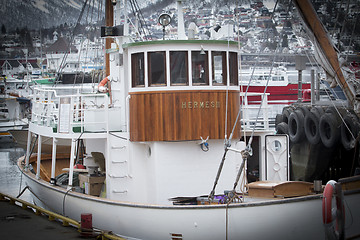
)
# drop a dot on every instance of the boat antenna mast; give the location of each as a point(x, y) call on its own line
point(63, 61)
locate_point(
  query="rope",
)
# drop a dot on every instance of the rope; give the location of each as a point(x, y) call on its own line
point(21, 193)
point(135, 10)
point(337, 17)
point(62, 64)
point(64, 200)
point(335, 94)
point(79, 137)
point(227, 87)
point(118, 136)
point(352, 35)
point(35, 195)
point(343, 23)
point(142, 17)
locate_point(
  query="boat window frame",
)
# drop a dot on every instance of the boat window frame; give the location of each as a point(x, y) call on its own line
point(224, 69)
point(134, 68)
point(149, 62)
point(206, 55)
point(233, 70)
point(186, 83)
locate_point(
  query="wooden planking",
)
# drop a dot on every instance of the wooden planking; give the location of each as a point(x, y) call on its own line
point(279, 189)
point(182, 115)
point(62, 161)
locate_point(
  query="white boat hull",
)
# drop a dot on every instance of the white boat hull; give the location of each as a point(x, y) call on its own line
point(295, 218)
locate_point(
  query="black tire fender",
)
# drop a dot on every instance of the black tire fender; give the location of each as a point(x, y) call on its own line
point(319, 110)
point(311, 127)
point(282, 128)
point(296, 126)
point(286, 113)
point(349, 131)
point(329, 130)
point(305, 109)
point(279, 118)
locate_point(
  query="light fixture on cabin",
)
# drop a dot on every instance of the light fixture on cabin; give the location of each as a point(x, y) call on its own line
point(113, 2)
point(202, 52)
point(164, 20)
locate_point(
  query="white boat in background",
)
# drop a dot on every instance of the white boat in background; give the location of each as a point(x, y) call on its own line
point(170, 157)
point(275, 81)
point(14, 104)
point(281, 90)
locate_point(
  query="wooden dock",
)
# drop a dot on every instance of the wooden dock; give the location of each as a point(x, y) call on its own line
point(22, 220)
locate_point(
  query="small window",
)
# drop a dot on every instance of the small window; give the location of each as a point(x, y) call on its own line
point(233, 68)
point(200, 72)
point(219, 68)
point(137, 69)
point(157, 68)
point(179, 68)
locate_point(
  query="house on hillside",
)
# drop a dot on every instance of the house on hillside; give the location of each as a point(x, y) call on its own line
point(43, 65)
point(32, 68)
point(56, 52)
point(12, 67)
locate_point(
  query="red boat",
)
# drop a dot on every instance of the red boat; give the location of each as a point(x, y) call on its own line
point(280, 90)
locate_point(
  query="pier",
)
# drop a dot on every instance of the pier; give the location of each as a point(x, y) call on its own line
point(22, 220)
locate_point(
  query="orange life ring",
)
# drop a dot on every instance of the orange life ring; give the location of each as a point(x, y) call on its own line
point(330, 213)
point(103, 83)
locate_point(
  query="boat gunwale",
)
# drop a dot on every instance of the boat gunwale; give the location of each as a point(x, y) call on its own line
point(262, 202)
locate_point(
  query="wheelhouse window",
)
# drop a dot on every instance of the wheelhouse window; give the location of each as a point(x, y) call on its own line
point(179, 68)
point(233, 68)
point(219, 68)
point(157, 68)
point(200, 72)
point(137, 70)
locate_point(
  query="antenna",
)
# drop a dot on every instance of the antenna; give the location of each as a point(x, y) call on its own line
point(181, 27)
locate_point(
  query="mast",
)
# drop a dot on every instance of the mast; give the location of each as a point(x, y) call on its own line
point(322, 40)
point(181, 28)
point(109, 20)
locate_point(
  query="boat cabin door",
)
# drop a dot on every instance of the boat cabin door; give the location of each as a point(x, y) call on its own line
point(277, 158)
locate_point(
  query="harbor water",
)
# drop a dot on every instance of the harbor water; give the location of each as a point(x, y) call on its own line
point(11, 181)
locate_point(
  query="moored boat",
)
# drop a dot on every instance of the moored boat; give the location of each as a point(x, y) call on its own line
point(165, 154)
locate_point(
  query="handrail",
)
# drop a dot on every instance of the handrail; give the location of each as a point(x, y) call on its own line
point(263, 121)
point(46, 109)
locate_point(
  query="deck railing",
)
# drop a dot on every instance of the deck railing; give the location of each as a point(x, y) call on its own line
point(68, 110)
point(250, 112)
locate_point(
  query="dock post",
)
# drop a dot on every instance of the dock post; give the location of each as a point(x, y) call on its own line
point(299, 85)
point(317, 87)
point(300, 65)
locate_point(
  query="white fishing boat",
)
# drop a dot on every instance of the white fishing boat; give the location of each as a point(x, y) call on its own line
point(165, 156)
point(14, 107)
